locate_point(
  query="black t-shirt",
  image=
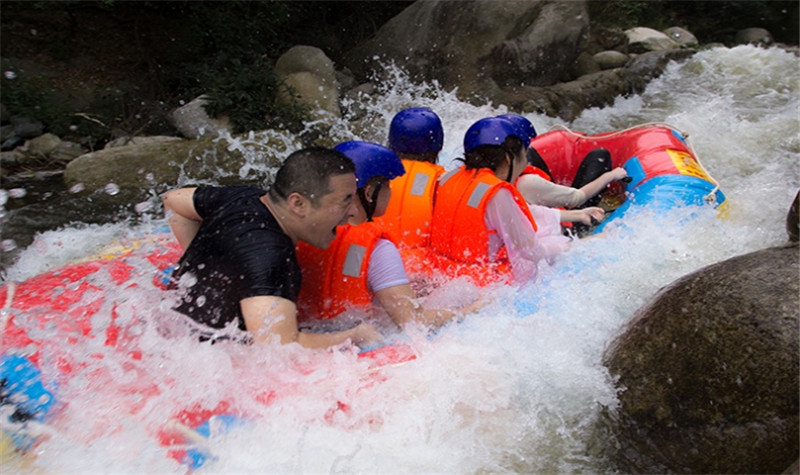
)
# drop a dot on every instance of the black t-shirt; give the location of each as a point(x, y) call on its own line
point(240, 251)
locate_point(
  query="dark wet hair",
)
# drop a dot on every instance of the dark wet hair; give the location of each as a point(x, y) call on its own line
point(308, 172)
point(370, 203)
point(492, 156)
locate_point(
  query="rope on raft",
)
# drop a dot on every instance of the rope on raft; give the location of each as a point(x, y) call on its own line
point(710, 198)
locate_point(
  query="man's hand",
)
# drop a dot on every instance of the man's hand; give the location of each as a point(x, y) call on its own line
point(365, 335)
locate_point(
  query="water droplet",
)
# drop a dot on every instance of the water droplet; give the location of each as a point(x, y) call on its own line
point(10, 74)
point(143, 207)
point(7, 245)
point(111, 189)
point(17, 192)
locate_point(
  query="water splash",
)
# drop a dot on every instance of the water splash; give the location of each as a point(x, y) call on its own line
point(514, 388)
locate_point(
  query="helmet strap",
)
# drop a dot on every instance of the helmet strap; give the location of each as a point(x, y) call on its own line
point(510, 168)
point(369, 204)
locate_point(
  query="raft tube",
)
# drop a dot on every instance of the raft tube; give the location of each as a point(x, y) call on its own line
point(59, 307)
point(665, 172)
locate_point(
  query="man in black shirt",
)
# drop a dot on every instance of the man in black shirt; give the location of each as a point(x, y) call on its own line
point(239, 262)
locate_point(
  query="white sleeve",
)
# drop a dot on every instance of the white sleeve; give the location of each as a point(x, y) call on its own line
point(548, 220)
point(539, 191)
point(551, 241)
point(385, 267)
point(504, 216)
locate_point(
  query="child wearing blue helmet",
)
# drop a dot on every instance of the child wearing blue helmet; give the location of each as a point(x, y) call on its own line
point(417, 136)
point(482, 226)
point(537, 186)
point(363, 264)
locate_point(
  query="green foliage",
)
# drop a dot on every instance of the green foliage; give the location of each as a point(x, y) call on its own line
point(235, 41)
point(246, 93)
point(33, 98)
point(625, 13)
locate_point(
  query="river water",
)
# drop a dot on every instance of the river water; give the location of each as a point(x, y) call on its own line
point(517, 387)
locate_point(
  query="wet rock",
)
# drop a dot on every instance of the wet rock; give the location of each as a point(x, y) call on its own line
point(480, 45)
point(643, 40)
point(159, 161)
point(684, 38)
point(311, 78)
point(27, 127)
point(754, 36)
point(647, 66)
point(708, 371)
point(353, 103)
point(6, 132)
point(346, 79)
point(611, 59)
point(602, 38)
point(12, 142)
point(11, 159)
point(585, 64)
point(42, 146)
point(567, 100)
point(66, 151)
point(193, 122)
point(306, 59)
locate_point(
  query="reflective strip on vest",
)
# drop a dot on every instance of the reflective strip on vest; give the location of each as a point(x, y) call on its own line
point(419, 184)
point(447, 176)
point(352, 263)
point(477, 194)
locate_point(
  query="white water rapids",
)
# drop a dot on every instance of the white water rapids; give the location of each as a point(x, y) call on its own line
point(517, 387)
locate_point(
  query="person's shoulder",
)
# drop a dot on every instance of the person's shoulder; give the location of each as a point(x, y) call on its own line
point(230, 192)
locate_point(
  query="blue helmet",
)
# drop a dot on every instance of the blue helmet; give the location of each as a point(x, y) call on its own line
point(416, 130)
point(525, 126)
point(371, 160)
point(489, 131)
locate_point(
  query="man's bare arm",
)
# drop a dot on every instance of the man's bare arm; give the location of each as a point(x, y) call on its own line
point(402, 306)
point(181, 214)
point(265, 316)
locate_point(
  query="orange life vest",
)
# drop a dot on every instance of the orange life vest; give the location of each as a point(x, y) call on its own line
point(408, 216)
point(531, 170)
point(335, 279)
point(459, 236)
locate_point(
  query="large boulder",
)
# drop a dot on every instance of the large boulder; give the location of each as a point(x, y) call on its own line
point(754, 36)
point(151, 161)
point(479, 45)
point(568, 99)
point(642, 40)
point(193, 122)
point(708, 371)
point(311, 80)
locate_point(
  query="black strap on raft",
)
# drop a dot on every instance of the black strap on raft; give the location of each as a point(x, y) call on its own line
point(19, 415)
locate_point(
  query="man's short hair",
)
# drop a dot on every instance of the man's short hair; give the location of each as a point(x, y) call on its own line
point(308, 171)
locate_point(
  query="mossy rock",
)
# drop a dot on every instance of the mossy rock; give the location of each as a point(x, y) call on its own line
point(708, 371)
point(152, 161)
